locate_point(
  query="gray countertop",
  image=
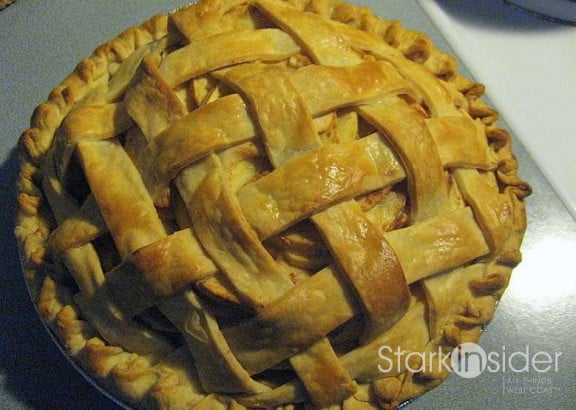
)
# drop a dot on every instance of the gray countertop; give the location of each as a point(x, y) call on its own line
point(41, 42)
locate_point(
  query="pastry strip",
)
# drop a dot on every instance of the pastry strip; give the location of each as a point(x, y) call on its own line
point(325, 89)
point(322, 374)
point(276, 103)
point(434, 93)
point(317, 37)
point(96, 122)
point(371, 265)
point(85, 225)
point(201, 20)
point(438, 244)
point(173, 262)
point(159, 270)
point(225, 49)
point(152, 103)
point(92, 122)
point(121, 195)
point(200, 132)
point(461, 142)
point(493, 210)
point(124, 76)
point(406, 131)
point(154, 106)
point(333, 173)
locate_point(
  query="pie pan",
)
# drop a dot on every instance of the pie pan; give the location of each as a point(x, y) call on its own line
point(152, 365)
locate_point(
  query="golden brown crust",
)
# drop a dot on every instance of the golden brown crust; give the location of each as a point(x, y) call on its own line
point(470, 198)
point(5, 3)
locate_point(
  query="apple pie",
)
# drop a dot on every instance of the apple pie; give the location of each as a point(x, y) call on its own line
point(259, 203)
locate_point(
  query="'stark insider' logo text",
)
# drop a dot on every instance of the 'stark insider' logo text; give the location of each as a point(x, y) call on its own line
point(468, 360)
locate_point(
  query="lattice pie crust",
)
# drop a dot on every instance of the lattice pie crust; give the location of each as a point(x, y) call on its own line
point(239, 203)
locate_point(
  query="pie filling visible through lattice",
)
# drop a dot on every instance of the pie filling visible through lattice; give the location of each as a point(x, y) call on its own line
point(242, 202)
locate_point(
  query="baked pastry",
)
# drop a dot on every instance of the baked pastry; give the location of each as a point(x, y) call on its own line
point(242, 202)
